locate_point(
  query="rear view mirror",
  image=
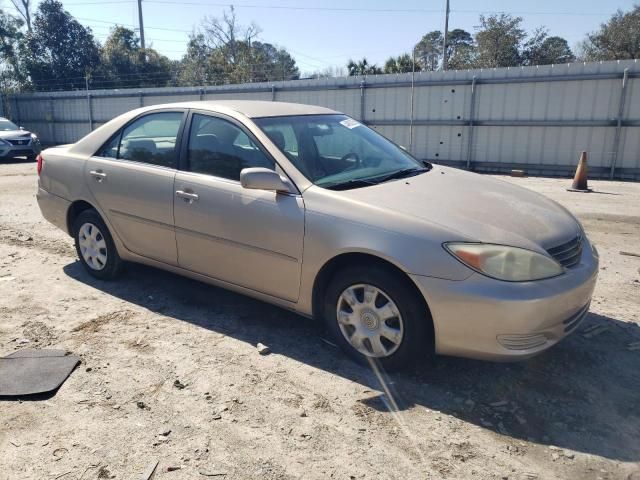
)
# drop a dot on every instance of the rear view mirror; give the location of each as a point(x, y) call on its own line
point(264, 179)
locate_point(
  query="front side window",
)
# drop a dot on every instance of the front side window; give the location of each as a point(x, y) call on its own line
point(220, 148)
point(335, 151)
point(149, 139)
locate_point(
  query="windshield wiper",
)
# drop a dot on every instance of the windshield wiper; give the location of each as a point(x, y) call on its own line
point(404, 173)
point(349, 184)
point(366, 182)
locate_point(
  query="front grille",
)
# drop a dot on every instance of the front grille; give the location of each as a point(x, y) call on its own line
point(19, 141)
point(568, 254)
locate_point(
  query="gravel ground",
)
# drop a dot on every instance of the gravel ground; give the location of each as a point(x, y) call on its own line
point(170, 373)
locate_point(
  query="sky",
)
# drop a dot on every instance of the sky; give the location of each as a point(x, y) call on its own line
point(321, 34)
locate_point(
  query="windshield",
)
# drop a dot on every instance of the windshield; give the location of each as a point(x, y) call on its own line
point(6, 125)
point(336, 151)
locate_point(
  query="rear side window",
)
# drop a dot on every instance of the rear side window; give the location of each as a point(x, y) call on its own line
point(220, 148)
point(150, 139)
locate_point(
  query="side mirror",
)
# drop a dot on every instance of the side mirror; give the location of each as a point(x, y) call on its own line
point(21, 128)
point(259, 178)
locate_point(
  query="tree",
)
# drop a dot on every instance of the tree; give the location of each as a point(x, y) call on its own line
point(541, 49)
point(233, 42)
point(125, 64)
point(461, 50)
point(24, 9)
point(11, 75)
point(362, 68)
point(498, 40)
point(327, 72)
point(400, 64)
point(58, 52)
point(271, 63)
point(196, 67)
point(429, 51)
point(227, 52)
point(618, 39)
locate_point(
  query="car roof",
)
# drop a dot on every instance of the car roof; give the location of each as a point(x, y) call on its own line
point(254, 108)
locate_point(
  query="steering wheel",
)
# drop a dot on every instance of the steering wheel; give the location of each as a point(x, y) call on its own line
point(358, 162)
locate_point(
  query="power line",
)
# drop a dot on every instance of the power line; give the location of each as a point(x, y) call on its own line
point(132, 25)
point(296, 7)
point(369, 10)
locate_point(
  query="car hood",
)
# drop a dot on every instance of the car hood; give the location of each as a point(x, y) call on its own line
point(14, 133)
point(475, 208)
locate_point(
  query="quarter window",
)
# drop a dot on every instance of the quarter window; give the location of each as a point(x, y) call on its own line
point(219, 148)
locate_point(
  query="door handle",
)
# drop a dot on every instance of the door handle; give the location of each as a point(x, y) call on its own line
point(99, 175)
point(187, 196)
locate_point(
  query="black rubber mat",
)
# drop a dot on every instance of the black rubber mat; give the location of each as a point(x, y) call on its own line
point(30, 372)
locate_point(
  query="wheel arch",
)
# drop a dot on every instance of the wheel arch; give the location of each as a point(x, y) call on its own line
point(75, 209)
point(349, 259)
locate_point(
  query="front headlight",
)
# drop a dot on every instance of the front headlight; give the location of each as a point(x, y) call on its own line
point(501, 262)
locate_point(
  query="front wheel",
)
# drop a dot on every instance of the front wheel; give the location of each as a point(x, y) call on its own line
point(376, 314)
point(95, 246)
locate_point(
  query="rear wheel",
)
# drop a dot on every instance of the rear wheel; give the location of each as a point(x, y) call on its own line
point(95, 246)
point(375, 314)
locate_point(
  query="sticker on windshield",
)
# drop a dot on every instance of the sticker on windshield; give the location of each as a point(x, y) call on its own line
point(350, 123)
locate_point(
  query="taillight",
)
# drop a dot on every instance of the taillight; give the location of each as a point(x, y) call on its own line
point(40, 161)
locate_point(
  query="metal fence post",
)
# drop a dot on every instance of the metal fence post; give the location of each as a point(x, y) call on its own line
point(90, 112)
point(201, 94)
point(411, 107)
point(141, 96)
point(273, 93)
point(363, 85)
point(16, 114)
point(472, 112)
point(618, 136)
point(52, 121)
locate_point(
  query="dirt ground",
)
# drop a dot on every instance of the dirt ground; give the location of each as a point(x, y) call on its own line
point(305, 410)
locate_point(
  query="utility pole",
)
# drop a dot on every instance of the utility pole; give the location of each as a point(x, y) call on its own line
point(141, 24)
point(446, 34)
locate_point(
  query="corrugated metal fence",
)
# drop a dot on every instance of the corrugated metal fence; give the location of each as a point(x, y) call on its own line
point(534, 118)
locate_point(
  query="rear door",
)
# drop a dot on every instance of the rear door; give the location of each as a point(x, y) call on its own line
point(251, 238)
point(131, 178)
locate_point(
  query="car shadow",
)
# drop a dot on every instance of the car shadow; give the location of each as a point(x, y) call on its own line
point(580, 395)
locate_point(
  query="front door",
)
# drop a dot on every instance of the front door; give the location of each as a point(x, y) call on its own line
point(131, 179)
point(250, 238)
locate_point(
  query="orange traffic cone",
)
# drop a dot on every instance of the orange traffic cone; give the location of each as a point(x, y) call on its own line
point(580, 178)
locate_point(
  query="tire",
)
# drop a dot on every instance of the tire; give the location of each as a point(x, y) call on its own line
point(95, 247)
point(392, 294)
point(31, 158)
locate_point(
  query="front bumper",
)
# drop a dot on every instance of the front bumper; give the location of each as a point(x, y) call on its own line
point(13, 151)
point(488, 319)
